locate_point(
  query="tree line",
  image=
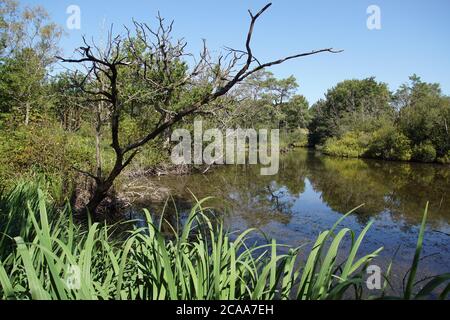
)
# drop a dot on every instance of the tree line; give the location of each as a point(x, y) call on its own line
point(362, 118)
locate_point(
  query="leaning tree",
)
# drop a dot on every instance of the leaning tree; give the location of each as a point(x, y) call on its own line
point(152, 60)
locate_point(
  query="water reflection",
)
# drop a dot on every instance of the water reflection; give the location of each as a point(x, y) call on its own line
point(401, 189)
point(312, 191)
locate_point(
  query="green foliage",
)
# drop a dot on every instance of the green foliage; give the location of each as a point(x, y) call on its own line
point(424, 152)
point(321, 126)
point(14, 219)
point(350, 145)
point(28, 45)
point(295, 113)
point(21, 85)
point(425, 116)
point(361, 99)
point(27, 27)
point(386, 143)
point(444, 159)
point(47, 149)
point(263, 101)
point(389, 144)
point(294, 138)
point(355, 120)
point(44, 149)
point(68, 103)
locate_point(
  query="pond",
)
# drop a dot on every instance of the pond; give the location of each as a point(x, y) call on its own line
point(312, 191)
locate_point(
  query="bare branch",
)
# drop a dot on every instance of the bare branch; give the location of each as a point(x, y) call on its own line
point(280, 61)
point(85, 173)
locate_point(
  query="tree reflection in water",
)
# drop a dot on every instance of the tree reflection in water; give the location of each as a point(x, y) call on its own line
point(311, 191)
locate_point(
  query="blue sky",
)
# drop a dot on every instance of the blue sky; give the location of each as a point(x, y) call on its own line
point(414, 37)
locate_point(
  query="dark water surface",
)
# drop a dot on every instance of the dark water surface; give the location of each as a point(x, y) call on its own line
point(312, 191)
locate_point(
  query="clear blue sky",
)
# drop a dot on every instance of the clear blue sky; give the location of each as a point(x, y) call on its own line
point(414, 37)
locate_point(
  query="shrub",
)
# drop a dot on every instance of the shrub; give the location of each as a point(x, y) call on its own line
point(29, 151)
point(444, 159)
point(389, 144)
point(294, 138)
point(350, 145)
point(424, 152)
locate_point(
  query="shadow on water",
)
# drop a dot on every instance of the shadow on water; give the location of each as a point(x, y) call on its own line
point(312, 191)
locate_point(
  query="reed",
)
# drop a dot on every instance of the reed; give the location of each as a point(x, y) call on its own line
point(54, 258)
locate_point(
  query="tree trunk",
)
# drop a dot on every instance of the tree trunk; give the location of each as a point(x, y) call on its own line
point(102, 186)
point(96, 199)
point(100, 193)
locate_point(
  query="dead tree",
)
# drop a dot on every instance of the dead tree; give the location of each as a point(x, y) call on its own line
point(151, 51)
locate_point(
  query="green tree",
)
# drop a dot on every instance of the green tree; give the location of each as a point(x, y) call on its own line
point(351, 104)
point(424, 114)
point(21, 85)
point(262, 100)
point(296, 112)
point(28, 45)
point(28, 28)
point(68, 103)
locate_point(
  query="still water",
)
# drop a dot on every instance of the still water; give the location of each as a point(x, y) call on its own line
point(312, 191)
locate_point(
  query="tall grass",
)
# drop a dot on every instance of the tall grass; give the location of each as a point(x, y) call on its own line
point(58, 259)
